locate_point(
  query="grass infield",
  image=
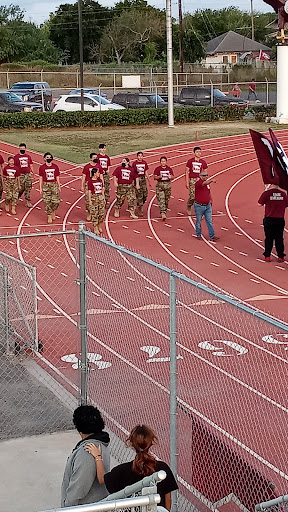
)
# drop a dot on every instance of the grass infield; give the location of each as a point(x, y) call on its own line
point(75, 144)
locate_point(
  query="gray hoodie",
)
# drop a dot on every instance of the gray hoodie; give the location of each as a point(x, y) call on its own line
point(80, 484)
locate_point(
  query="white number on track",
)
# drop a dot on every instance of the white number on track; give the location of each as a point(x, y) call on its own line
point(220, 351)
point(152, 351)
point(93, 358)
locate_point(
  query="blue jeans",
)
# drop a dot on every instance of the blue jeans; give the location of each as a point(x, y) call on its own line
point(205, 211)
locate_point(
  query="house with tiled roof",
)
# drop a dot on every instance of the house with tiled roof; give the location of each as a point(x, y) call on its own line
point(233, 48)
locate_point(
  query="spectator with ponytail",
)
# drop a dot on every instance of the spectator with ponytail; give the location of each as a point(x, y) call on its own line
point(141, 439)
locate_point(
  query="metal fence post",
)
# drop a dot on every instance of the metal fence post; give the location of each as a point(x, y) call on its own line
point(212, 93)
point(77, 78)
point(267, 91)
point(6, 308)
point(83, 312)
point(173, 382)
point(8, 81)
point(114, 83)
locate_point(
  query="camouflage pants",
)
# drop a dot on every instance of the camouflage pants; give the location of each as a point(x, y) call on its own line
point(125, 191)
point(142, 193)
point(163, 193)
point(25, 185)
point(97, 209)
point(51, 197)
point(191, 198)
point(1, 187)
point(106, 186)
point(11, 188)
point(86, 197)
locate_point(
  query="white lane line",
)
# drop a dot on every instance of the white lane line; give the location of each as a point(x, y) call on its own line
point(23, 287)
point(243, 253)
point(198, 257)
point(38, 208)
point(138, 232)
point(182, 250)
point(79, 207)
point(148, 236)
point(249, 221)
point(59, 241)
point(90, 257)
point(168, 225)
point(130, 278)
point(63, 274)
point(180, 213)
point(38, 259)
point(215, 264)
point(57, 311)
point(225, 229)
point(228, 248)
point(11, 242)
point(68, 202)
point(125, 227)
point(168, 245)
point(181, 230)
point(100, 263)
point(259, 241)
point(232, 271)
point(25, 250)
point(114, 270)
point(150, 289)
point(281, 268)
point(97, 294)
point(38, 298)
point(51, 266)
point(179, 199)
point(37, 229)
point(240, 234)
point(261, 261)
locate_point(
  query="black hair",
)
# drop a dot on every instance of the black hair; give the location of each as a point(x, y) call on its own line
point(127, 159)
point(10, 158)
point(88, 420)
point(92, 154)
point(197, 148)
point(102, 146)
point(93, 172)
point(22, 144)
point(165, 158)
point(140, 153)
point(47, 153)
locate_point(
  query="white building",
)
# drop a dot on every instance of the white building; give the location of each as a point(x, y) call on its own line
point(232, 48)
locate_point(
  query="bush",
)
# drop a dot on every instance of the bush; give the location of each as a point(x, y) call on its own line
point(261, 112)
point(118, 117)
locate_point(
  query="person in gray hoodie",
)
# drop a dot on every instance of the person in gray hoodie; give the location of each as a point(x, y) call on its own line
point(80, 484)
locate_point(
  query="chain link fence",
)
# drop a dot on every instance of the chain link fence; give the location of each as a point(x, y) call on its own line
point(148, 345)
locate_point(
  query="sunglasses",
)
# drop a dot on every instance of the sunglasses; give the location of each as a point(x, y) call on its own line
point(204, 174)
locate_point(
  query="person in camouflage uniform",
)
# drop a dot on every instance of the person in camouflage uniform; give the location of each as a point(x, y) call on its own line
point(1, 182)
point(11, 175)
point(25, 164)
point(140, 166)
point(124, 180)
point(49, 184)
point(96, 200)
point(163, 174)
point(105, 162)
point(86, 176)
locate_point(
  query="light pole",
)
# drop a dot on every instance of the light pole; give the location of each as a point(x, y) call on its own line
point(180, 36)
point(169, 63)
point(80, 24)
point(252, 22)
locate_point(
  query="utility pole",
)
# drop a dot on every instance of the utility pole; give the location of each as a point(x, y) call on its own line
point(180, 36)
point(80, 26)
point(252, 22)
point(169, 63)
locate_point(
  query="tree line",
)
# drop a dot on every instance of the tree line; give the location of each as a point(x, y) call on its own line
point(131, 31)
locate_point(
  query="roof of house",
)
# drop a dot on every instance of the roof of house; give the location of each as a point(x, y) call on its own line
point(233, 42)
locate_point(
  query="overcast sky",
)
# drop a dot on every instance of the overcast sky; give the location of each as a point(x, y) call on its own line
point(38, 11)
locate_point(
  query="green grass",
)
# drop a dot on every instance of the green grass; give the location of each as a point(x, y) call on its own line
point(75, 144)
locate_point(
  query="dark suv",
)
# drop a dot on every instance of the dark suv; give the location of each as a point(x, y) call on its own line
point(11, 102)
point(138, 100)
point(34, 91)
point(201, 96)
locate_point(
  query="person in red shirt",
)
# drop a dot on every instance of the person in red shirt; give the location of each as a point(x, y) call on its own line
point(86, 176)
point(124, 179)
point(193, 168)
point(11, 175)
point(203, 205)
point(252, 90)
point(1, 182)
point(163, 174)
point(49, 184)
point(275, 201)
point(105, 163)
point(25, 164)
point(140, 166)
point(96, 199)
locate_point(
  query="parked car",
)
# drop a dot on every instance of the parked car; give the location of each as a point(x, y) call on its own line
point(72, 102)
point(11, 102)
point(201, 96)
point(89, 91)
point(139, 100)
point(33, 91)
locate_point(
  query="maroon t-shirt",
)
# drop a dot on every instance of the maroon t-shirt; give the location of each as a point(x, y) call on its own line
point(275, 202)
point(202, 192)
point(252, 86)
point(2, 160)
point(104, 161)
point(140, 167)
point(125, 175)
point(23, 162)
point(95, 186)
point(195, 167)
point(165, 173)
point(49, 174)
point(11, 172)
point(88, 168)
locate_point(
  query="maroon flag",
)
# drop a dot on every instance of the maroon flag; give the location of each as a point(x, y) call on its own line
point(280, 161)
point(265, 153)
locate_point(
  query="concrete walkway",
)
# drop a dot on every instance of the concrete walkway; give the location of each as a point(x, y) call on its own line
point(31, 471)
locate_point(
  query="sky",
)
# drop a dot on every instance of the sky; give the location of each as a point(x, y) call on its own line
point(38, 11)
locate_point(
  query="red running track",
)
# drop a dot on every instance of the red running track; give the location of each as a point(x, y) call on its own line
point(237, 390)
